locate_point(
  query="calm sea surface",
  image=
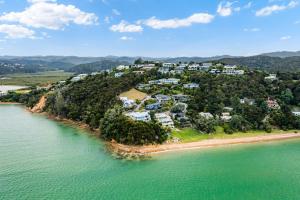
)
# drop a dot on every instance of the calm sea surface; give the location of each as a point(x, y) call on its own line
point(43, 159)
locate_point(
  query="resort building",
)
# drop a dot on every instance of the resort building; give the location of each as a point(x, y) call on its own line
point(119, 74)
point(230, 67)
point(123, 67)
point(169, 81)
point(148, 67)
point(226, 117)
point(127, 103)
point(154, 106)
point(215, 71)
point(154, 82)
point(247, 101)
point(228, 109)
point(95, 73)
point(177, 71)
point(206, 115)
point(139, 72)
point(181, 98)
point(2, 93)
point(296, 113)
point(194, 67)
point(168, 64)
point(233, 72)
point(181, 67)
point(271, 77)
point(165, 120)
point(163, 98)
point(79, 77)
point(139, 116)
point(191, 85)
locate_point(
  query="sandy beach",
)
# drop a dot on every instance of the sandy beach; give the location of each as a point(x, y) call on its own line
point(9, 103)
point(156, 149)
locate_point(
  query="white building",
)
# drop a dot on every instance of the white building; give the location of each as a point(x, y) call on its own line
point(79, 77)
point(226, 117)
point(247, 101)
point(127, 103)
point(2, 93)
point(176, 71)
point(148, 67)
point(191, 85)
point(165, 120)
point(95, 73)
point(231, 67)
point(296, 113)
point(119, 74)
point(122, 67)
point(233, 72)
point(206, 115)
point(194, 67)
point(182, 66)
point(163, 98)
point(169, 81)
point(215, 71)
point(168, 64)
point(139, 116)
point(271, 77)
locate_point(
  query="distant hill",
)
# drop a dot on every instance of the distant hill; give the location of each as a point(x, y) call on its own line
point(276, 61)
point(96, 66)
point(282, 54)
point(272, 64)
point(195, 59)
point(11, 66)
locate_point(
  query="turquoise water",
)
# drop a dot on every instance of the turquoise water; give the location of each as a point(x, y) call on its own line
point(42, 159)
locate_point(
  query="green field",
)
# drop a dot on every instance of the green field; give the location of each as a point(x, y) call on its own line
point(41, 78)
point(192, 135)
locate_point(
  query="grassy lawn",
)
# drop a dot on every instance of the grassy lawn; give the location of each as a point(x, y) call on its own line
point(134, 94)
point(42, 78)
point(192, 135)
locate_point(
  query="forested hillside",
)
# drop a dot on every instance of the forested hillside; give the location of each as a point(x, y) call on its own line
point(271, 64)
point(96, 66)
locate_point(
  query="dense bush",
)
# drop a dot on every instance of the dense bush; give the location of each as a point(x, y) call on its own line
point(88, 100)
point(116, 126)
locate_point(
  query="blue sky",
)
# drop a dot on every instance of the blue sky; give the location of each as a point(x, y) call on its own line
point(148, 27)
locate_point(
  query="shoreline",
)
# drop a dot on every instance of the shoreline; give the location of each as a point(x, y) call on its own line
point(140, 151)
point(204, 144)
point(10, 103)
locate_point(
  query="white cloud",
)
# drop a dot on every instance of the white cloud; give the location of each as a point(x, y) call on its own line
point(248, 5)
point(107, 19)
point(50, 15)
point(125, 27)
point(275, 8)
point(38, 1)
point(197, 18)
point(116, 12)
point(126, 38)
point(285, 37)
point(225, 9)
point(297, 22)
point(251, 29)
point(16, 31)
point(105, 1)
